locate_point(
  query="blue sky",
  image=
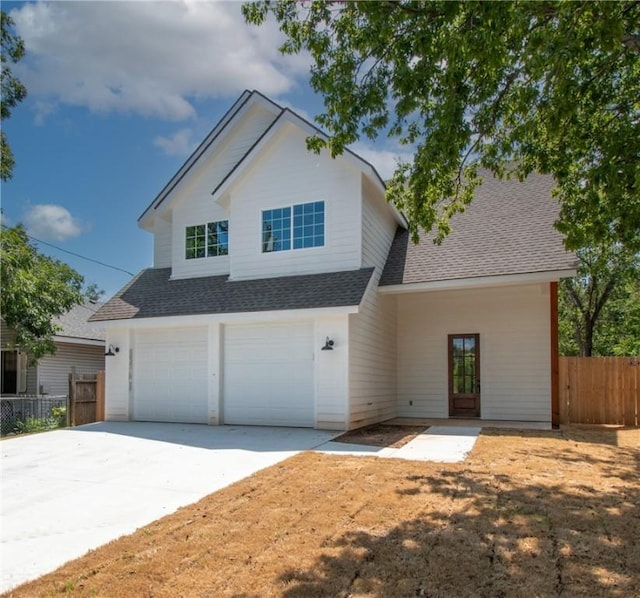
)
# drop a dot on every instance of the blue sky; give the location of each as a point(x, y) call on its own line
point(120, 93)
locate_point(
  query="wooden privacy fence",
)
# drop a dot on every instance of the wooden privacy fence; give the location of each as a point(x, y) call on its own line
point(600, 390)
point(86, 398)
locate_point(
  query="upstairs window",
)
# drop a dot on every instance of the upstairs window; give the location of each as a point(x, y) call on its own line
point(207, 240)
point(279, 233)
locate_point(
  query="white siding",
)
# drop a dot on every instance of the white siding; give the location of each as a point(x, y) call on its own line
point(117, 394)
point(284, 174)
point(54, 370)
point(7, 335)
point(372, 361)
point(332, 373)
point(200, 210)
point(372, 332)
point(32, 380)
point(513, 323)
point(378, 227)
point(162, 243)
point(195, 205)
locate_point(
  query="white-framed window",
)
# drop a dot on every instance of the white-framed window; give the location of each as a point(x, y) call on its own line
point(293, 227)
point(207, 240)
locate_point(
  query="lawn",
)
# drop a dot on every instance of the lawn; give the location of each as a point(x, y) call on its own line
point(528, 514)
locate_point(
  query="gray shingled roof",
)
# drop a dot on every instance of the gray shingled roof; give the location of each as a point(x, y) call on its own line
point(152, 294)
point(75, 323)
point(507, 229)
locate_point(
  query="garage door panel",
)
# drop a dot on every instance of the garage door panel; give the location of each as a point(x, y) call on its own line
point(170, 373)
point(268, 377)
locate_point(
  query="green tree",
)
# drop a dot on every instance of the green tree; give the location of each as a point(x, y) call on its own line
point(599, 309)
point(13, 91)
point(93, 292)
point(35, 290)
point(511, 86)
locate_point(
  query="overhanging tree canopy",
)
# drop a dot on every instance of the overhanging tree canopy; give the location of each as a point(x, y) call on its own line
point(13, 91)
point(512, 86)
point(35, 290)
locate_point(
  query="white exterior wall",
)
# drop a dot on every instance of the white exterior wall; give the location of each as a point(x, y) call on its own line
point(372, 332)
point(199, 209)
point(194, 203)
point(54, 370)
point(331, 373)
point(284, 174)
point(330, 368)
point(162, 243)
point(378, 228)
point(118, 384)
point(372, 361)
point(513, 323)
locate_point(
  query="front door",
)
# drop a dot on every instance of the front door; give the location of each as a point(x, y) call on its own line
point(464, 375)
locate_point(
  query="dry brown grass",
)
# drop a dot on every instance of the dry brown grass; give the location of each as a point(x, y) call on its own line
point(528, 514)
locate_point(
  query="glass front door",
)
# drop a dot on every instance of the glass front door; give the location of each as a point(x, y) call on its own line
point(464, 375)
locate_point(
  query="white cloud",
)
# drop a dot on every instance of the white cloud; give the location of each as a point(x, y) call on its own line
point(148, 58)
point(180, 143)
point(50, 222)
point(383, 160)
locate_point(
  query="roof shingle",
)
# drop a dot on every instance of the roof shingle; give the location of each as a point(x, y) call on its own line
point(153, 294)
point(75, 323)
point(507, 229)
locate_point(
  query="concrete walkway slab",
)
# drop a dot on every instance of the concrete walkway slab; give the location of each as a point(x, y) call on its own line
point(69, 491)
point(442, 444)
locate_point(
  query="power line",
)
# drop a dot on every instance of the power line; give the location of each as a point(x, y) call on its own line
point(82, 257)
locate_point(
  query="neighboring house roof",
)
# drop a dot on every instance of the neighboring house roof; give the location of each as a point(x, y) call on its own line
point(507, 229)
point(153, 294)
point(75, 324)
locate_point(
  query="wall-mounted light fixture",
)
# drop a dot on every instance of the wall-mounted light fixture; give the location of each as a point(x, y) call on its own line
point(112, 351)
point(328, 346)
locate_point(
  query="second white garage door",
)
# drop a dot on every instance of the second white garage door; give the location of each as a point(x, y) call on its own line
point(268, 374)
point(170, 375)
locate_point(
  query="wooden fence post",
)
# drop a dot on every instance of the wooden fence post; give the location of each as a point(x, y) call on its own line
point(100, 397)
point(72, 397)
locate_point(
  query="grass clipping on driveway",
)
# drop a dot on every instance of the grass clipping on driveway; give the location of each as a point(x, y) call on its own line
point(528, 514)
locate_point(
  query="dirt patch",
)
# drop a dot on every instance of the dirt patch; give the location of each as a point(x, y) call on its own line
point(528, 514)
point(386, 435)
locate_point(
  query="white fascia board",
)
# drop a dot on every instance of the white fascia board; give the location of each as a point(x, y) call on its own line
point(353, 158)
point(267, 136)
point(288, 116)
point(72, 340)
point(234, 318)
point(211, 141)
point(478, 282)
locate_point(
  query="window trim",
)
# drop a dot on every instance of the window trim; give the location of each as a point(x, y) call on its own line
point(291, 207)
point(205, 228)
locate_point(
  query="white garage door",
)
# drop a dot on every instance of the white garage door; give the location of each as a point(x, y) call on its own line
point(268, 375)
point(170, 375)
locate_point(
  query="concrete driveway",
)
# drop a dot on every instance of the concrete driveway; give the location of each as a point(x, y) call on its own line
point(68, 491)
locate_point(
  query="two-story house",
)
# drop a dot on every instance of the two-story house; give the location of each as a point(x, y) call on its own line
point(285, 291)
